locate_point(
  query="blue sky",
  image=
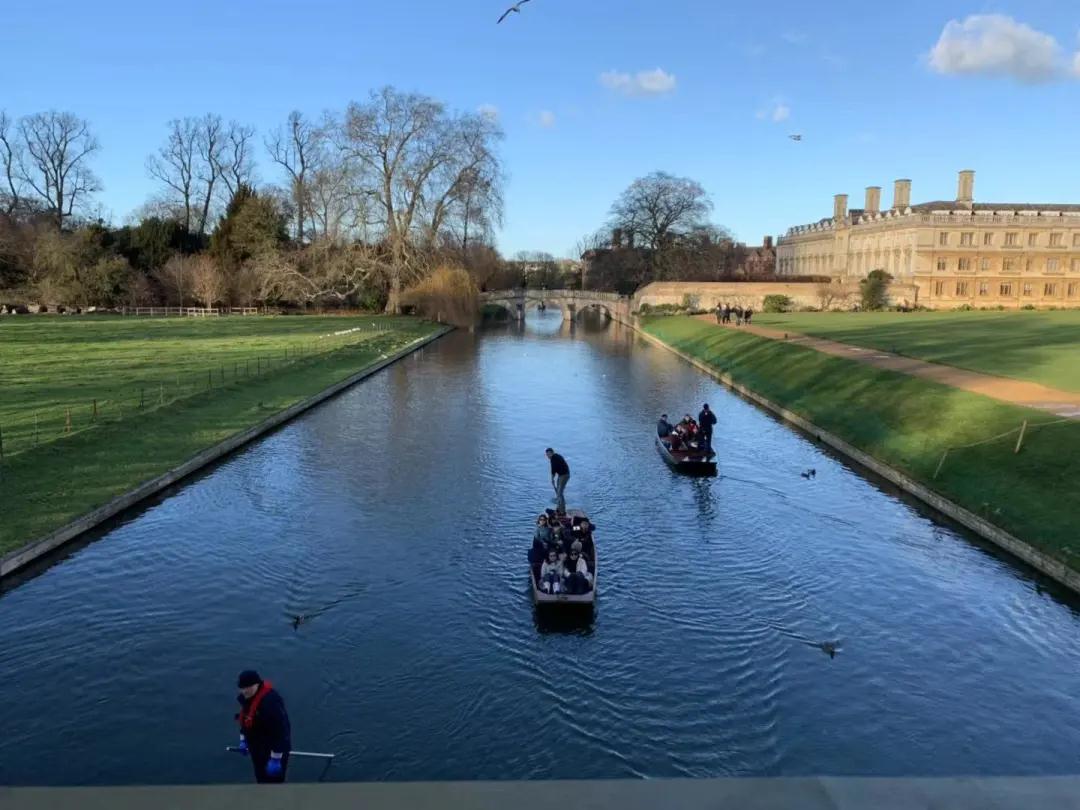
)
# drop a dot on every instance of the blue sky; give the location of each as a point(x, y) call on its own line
point(856, 79)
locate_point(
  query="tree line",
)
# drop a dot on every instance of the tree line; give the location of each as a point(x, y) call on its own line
point(361, 204)
point(659, 229)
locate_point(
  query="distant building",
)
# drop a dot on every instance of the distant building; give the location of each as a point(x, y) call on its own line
point(955, 252)
point(761, 260)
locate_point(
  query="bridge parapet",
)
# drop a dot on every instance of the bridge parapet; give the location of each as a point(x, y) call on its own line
point(519, 301)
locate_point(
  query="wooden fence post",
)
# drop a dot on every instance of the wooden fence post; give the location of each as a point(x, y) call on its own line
point(941, 463)
point(67, 423)
point(1020, 440)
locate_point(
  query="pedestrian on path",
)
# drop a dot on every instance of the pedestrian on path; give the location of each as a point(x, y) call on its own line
point(265, 734)
point(560, 475)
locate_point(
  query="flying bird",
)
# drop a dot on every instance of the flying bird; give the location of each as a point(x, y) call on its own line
point(809, 474)
point(514, 9)
point(793, 137)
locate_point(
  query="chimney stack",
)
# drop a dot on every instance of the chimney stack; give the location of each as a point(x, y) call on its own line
point(873, 199)
point(901, 199)
point(767, 243)
point(839, 211)
point(965, 190)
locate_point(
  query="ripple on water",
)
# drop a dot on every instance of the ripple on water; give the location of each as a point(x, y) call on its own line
point(420, 656)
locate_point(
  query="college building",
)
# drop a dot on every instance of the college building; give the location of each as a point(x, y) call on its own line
point(954, 252)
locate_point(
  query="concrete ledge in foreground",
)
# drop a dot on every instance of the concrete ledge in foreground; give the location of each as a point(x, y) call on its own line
point(818, 793)
point(21, 557)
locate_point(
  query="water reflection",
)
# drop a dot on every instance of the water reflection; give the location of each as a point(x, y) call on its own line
point(396, 519)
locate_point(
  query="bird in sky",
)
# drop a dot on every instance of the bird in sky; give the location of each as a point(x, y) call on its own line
point(795, 137)
point(514, 9)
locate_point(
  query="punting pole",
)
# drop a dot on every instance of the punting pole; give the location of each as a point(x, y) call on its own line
point(311, 755)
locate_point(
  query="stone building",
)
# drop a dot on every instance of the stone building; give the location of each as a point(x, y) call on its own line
point(954, 252)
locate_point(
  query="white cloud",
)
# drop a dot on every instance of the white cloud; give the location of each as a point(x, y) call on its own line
point(546, 119)
point(997, 45)
point(489, 111)
point(777, 112)
point(794, 37)
point(643, 83)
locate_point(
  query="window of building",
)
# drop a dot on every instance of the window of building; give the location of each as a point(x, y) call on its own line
point(1076, 240)
point(1028, 291)
point(988, 238)
point(1057, 239)
point(1033, 239)
point(941, 265)
point(939, 288)
point(1074, 288)
point(967, 238)
point(1027, 265)
point(963, 265)
point(984, 265)
point(1053, 265)
point(984, 288)
point(1006, 289)
point(943, 238)
point(1076, 265)
point(1012, 238)
point(1008, 265)
point(1049, 290)
point(961, 288)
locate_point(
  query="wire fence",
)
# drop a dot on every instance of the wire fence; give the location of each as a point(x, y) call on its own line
point(1024, 431)
point(36, 427)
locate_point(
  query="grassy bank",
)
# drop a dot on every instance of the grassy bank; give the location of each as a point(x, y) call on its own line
point(907, 423)
point(165, 389)
point(1043, 347)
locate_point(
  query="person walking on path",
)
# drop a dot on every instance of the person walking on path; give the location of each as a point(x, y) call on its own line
point(560, 475)
point(265, 734)
point(706, 419)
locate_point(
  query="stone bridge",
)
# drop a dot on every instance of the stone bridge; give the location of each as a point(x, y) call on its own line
point(572, 302)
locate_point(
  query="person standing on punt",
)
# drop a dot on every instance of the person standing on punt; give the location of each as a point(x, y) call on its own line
point(560, 475)
point(265, 734)
point(706, 420)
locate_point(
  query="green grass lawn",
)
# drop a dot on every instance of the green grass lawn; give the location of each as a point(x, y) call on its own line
point(907, 423)
point(1043, 347)
point(165, 389)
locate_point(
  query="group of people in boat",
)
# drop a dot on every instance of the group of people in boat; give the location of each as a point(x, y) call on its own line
point(690, 434)
point(725, 313)
point(563, 556)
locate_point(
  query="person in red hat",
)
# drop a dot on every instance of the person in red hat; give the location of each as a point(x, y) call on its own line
point(264, 727)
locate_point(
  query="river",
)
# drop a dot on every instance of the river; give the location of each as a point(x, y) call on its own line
point(397, 517)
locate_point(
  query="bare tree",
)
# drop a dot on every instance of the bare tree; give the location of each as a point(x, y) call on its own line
point(657, 208)
point(11, 194)
point(198, 154)
point(176, 277)
point(324, 271)
point(175, 165)
point(410, 157)
point(53, 161)
point(238, 168)
point(208, 282)
point(296, 148)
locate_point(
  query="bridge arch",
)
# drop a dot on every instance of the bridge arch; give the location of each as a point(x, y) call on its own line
point(571, 302)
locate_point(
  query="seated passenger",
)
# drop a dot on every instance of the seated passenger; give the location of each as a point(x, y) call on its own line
point(676, 441)
point(576, 573)
point(543, 531)
point(551, 573)
point(583, 535)
point(664, 427)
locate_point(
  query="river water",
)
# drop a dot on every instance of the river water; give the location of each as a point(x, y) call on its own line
point(397, 516)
